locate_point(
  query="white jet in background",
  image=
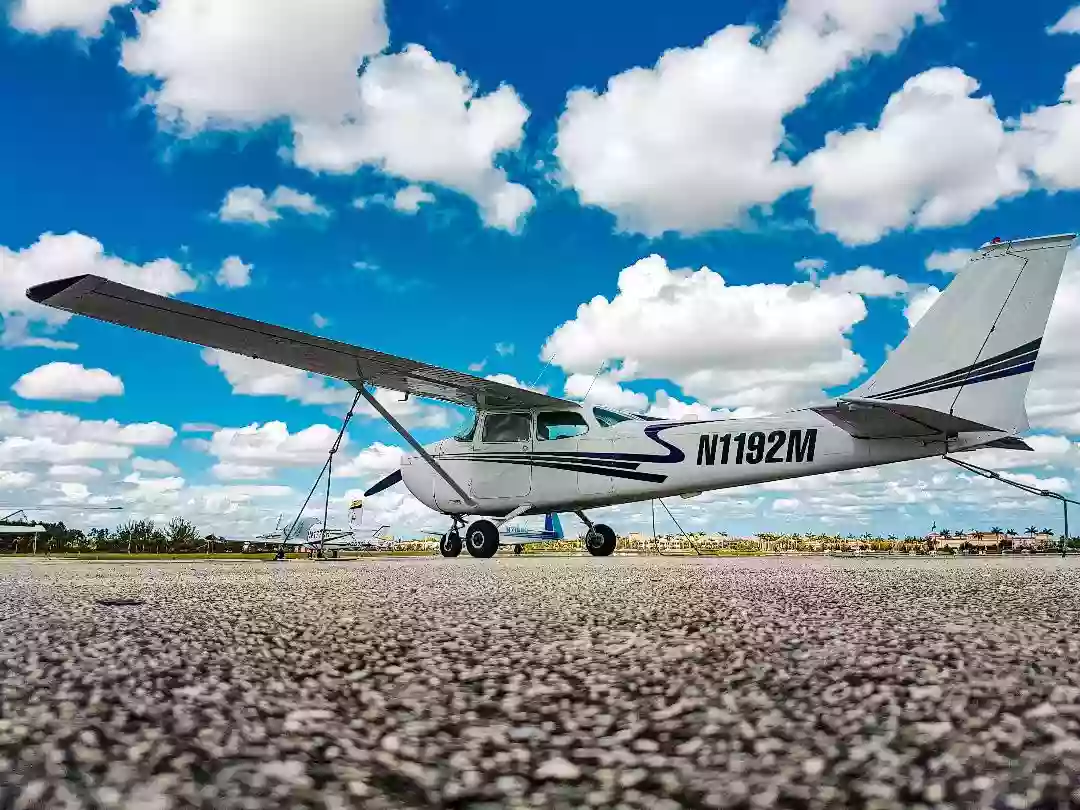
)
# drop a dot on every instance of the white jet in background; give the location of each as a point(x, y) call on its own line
point(956, 383)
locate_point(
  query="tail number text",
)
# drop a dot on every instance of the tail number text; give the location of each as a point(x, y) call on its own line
point(776, 447)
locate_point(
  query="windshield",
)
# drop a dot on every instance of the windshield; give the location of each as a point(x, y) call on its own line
point(466, 428)
point(608, 418)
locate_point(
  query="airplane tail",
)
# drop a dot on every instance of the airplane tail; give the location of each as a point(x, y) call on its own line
point(356, 514)
point(552, 524)
point(971, 355)
point(301, 528)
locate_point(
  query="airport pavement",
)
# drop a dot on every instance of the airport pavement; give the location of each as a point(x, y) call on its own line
point(635, 682)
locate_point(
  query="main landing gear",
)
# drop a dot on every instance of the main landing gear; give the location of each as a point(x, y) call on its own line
point(599, 539)
point(482, 539)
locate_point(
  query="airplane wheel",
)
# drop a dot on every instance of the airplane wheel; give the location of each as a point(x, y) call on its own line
point(450, 545)
point(518, 549)
point(482, 539)
point(600, 541)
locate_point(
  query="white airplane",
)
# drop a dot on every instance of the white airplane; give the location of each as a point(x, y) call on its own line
point(307, 533)
point(957, 382)
point(294, 535)
point(518, 534)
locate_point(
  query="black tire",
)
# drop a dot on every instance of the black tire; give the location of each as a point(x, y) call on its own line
point(482, 539)
point(450, 545)
point(600, 541)
point(518, 549)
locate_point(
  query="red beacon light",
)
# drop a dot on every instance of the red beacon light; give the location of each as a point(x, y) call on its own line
point(996, 240)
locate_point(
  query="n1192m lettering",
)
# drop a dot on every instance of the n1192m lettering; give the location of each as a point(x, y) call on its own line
point(777, 447)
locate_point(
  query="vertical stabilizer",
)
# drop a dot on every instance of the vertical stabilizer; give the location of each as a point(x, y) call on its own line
point(552, 524)
point(301, 529)
point(971, 355)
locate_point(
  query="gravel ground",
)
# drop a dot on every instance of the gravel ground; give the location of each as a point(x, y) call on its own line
point(554, 682)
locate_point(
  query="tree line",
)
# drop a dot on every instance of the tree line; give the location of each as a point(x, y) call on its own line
point(178, 536)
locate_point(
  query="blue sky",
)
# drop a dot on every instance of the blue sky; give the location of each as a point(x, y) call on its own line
point(488, 173)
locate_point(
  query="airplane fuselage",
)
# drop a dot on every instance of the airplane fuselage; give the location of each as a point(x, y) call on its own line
point(635, 460)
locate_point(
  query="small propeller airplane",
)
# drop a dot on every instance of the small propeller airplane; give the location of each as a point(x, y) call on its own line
point(519, 534)
point(307, 533)
point(956, 383)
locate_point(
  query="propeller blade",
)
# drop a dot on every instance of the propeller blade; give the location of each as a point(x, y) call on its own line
point(386, 483)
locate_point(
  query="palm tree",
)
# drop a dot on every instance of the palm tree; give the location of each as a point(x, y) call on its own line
point(996, 531)
point(1011, 532)
point(1031, 531)
point(945, 533)
point(1047, 532)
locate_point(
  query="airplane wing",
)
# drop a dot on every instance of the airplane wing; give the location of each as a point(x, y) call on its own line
point(116, 303)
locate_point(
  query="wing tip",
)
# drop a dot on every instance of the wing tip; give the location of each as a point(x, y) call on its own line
point(43, 293)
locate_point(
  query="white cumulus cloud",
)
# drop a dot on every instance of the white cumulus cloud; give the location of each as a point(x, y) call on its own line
point(693, 143)
point(260, 378)
point(74, 472)
point(272, 445)
point(949, 261)
point(56, 256)
point(868, 281)
point(372, 462)
point(410, 198)
point(1047, 137)
point(407, 114)
point(67, 381)
point(938, 156)
point(755, 345)
point(29, 437)
point(1068, 24)
point(85, 17)
point(241, 63)
point(421, 119)
point(157, 466)
point(250, 204)
point(919, 304)
point(234, 273)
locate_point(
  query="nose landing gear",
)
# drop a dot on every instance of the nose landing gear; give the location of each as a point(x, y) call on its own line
point(450, 544)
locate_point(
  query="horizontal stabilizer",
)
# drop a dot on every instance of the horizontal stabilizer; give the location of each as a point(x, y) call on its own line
point(1009, 443)
point(869, 419)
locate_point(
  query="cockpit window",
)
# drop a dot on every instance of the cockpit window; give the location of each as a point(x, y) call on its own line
point(506, 427)
point(560, 425)
point(608, 418)
point(466, 433)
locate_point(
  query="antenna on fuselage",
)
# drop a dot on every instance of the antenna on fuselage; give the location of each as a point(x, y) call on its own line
point(594, 379)
point(544, 369)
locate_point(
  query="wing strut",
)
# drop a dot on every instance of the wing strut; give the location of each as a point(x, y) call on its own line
point(361, 386)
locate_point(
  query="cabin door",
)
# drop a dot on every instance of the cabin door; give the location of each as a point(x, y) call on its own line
point(502, 461)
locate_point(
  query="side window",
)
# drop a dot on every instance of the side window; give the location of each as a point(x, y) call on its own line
point(560, 425)
point(506, 427)
point(608, 418)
